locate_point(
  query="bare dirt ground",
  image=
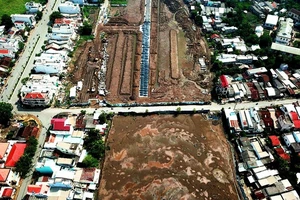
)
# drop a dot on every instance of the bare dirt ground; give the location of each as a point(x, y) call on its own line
point(169, 22)
point(167, 157)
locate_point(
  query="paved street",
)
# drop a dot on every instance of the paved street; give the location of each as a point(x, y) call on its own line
point(37, 37)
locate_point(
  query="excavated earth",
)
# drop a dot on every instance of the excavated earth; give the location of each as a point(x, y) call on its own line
point(167, 157)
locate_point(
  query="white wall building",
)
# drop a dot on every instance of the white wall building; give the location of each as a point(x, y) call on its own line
point(69, 8)
point(33, 7)
point(271, 21)
point(28, 19)
point(284, 34)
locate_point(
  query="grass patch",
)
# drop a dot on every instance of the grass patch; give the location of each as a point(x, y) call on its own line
point(14, 6)
point(118, 2)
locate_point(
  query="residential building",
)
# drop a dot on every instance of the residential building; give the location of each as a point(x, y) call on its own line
point(8, 177)
point(294, 14)
point(69, 8)
point(284, 34)
point(15, 154)
point(285, 49)
point(243, 120)
point(29, 20)
point(62, 29)
point(288, 139)
point(271, 21)
point(42, 83)
point(36, 99)
point(9, 44)
point(49, 68)
point(6, 53)
point(79, 2)
point(252, 72)
point(33, 7)
point(232, 120)
point(285, 123)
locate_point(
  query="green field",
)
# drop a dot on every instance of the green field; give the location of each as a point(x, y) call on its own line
point(13, 6)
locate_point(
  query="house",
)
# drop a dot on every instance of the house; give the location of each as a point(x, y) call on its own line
point(6, 53)
point(288, 139)
point(49, 68)
point(295, 118)
point(229, 29)
point(8, 177)
point(10, 44)
point(41, 83)
point(34, 99)
point(69, 8)
point(259, 31)
point(15, 154)
point(62, 29)
point(79, 2)
point(285, 49)
point(271, 21)
point(285, 123)
point(294, 14)
point(29, 20)
point(32, 7)
point(274, 140)
point(232, 120)
point(7, 192)
point(284, 34)
point(252, 72)
point(282, 154)
point(59, 124)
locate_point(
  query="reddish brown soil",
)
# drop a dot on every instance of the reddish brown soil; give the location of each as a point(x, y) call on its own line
point(168, 46)
point(167, 157)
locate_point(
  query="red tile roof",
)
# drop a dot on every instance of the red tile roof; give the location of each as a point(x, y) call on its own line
point(59, 124)
point(34, 189)
point(3, 148)
point(224, 81)
point(34, 95)
point(265, 114)
point(7, 192)
point(268, 122)
point(15, 154)
point(62, 21)
point(274, 140)
point(282, 154)
point(4, 51)
point(213, 36)
point(3, 174)
point(295, 119)
point(88, 174)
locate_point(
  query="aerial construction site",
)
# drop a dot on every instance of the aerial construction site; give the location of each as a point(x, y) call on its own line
point(146, 52)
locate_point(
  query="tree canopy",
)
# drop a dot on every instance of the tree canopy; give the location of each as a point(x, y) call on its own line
point(5, 112)
point(90, 161)
point(6, 21)
point(55, 15)
point(86, 29)
point(94, 144)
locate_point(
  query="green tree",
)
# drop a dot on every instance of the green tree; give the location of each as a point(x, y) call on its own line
point(21, 46)
point(86, 29)
point(90, 161)
point(5, 112)
point(55, 15)
point(178, 110)
point(102, 118)
point(198, 20)
point(265, 40)
point(6, 21)
point(39, 15)
point(97, 149)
